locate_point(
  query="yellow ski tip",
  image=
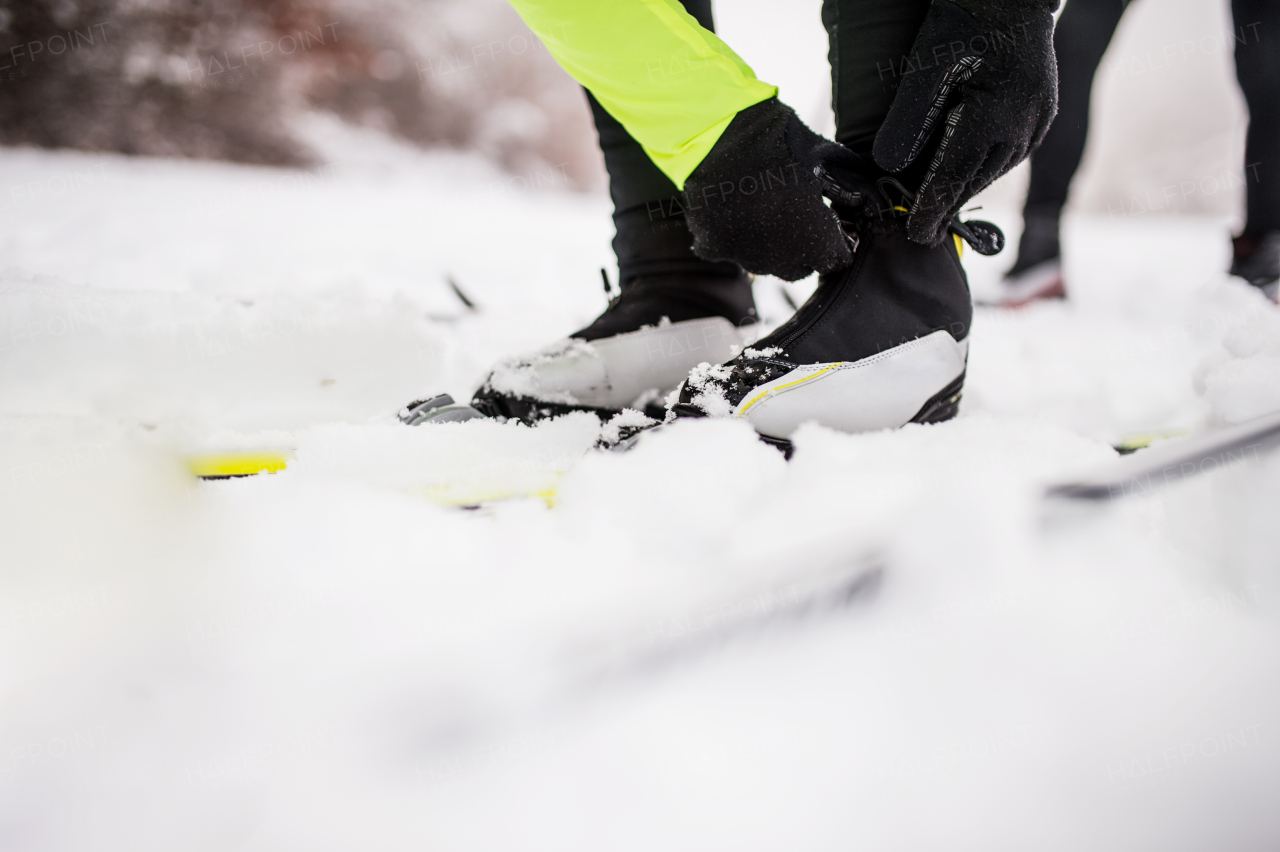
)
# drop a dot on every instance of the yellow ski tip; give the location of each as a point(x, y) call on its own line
point(473, 498)
point(224, 465)
point(1133, 443)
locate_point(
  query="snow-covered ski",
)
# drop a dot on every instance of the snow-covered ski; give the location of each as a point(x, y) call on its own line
point(1169, 462)
point(1140, 472)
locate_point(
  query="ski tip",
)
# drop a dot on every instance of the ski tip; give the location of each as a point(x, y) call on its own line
point(228, 465)
point(472, 497)
point(1133, 443)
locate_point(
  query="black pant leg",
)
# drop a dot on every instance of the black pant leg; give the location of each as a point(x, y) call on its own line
point(650, 238)
point(1257, 45)
point(867, 41)
point(1084, 30)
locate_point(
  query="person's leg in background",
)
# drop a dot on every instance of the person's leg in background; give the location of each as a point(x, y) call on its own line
point(1084, 30)
point(1256, 252)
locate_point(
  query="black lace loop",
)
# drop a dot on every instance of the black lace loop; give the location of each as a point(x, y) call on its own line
point(983, 237)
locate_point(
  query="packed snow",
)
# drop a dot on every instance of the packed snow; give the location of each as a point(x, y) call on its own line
point(889, 642)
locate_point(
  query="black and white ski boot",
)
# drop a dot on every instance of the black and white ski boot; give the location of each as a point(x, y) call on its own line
point(655, 330)
point(1256, 259)
point(879, 344)
point(1037, 271)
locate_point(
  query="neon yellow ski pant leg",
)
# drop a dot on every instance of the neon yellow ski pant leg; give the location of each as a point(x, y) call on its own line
point(672, 84)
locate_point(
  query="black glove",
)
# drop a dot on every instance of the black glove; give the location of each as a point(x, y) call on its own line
point(976, 96)
point(757, 196)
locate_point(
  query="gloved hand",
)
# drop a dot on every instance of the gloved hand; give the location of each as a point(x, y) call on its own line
point(757, 196)
point(982, 81)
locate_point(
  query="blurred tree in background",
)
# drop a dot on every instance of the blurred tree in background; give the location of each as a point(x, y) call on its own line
point(227, 79)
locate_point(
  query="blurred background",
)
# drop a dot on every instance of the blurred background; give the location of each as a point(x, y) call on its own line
point(229, 79)
point(236, 80)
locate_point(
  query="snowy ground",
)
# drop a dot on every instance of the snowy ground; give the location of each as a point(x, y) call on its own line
point(328, 659)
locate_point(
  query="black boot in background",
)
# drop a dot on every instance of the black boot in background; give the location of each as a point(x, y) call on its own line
point(1256, 259)
point(1037, 272)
